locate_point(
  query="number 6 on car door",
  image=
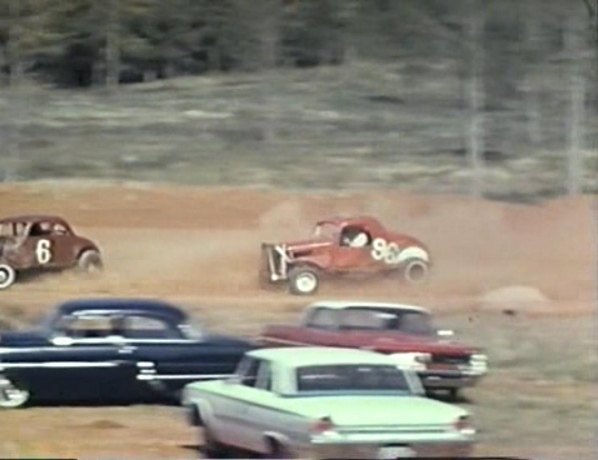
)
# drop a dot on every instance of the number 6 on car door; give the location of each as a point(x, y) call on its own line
point(43, 251)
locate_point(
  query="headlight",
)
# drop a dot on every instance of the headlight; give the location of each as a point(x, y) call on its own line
point(478, 363)
point(412, 361)
point(423, 358)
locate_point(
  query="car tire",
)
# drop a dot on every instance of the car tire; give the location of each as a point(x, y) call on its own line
point(276, 450)
point(90, 261)
point(454, 394)
point(211, 447)
point(416, 271)
point(11, 396)
point(303, 281)
point(8, 276)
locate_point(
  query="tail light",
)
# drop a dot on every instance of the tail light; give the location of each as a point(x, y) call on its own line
point(463, 425)
point(322, 426)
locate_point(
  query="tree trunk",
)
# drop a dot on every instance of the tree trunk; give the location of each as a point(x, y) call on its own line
point(532, 100)
point(268, 54)
point(475, 146)
point(113, 45)
point(574, 45)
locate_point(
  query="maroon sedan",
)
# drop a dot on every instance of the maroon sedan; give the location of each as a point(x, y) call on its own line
point(402, 331)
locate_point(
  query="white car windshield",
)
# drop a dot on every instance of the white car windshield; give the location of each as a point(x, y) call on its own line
point(352, 378)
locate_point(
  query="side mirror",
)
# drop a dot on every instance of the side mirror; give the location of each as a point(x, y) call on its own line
point(62, 341)
point(445, 333)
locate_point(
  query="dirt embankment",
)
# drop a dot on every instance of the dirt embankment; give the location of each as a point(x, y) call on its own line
point(202, 244)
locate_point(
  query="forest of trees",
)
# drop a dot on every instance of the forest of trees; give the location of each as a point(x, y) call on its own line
point(502, 47)
point(87, 42)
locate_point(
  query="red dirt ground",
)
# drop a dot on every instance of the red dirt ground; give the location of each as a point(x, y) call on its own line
point(201, 246)
point(204, 243)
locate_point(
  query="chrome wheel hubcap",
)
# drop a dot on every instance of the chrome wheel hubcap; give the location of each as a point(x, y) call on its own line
point(306, 282)
point(11, 396)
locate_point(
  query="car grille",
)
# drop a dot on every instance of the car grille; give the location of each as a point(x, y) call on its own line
point(448, 363)
point(450, 360)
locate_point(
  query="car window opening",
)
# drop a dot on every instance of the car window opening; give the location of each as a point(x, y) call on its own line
point(411, 322)
point(352, 378)
point(355, 237)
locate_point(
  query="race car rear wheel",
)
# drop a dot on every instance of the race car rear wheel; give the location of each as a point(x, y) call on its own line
point(11, 396)
point(8, 276)
point(416, 271)
point(303, 281)
point(90, 261)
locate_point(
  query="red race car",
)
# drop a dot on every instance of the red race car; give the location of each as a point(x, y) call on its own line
point(29, 243)
point(344, 246)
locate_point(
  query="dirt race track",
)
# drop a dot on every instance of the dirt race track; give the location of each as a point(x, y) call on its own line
point(201, 247)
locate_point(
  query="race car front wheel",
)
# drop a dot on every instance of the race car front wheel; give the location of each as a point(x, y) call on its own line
point(303, 281)
point(7, 276)
point(416, 271)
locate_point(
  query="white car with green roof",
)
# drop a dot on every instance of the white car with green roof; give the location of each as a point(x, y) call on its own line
point(322, 402)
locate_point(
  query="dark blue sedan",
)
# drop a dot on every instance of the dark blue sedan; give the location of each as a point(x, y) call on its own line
point(112, 350)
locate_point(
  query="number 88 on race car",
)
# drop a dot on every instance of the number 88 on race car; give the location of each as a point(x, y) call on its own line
point(385, 252)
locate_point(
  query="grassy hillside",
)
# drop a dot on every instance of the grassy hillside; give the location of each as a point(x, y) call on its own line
point(358, 125)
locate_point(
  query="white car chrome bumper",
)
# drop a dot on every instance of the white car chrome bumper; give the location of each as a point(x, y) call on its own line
point(355, 449)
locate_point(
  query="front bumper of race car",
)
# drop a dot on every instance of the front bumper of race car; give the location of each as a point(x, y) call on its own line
point(275, 262)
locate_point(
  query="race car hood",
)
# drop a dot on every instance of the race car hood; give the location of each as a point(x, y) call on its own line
point(305, 245)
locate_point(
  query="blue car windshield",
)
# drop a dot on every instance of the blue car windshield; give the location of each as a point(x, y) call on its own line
point(347, 378)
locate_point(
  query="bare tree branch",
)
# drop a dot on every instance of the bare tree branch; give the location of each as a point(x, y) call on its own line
point(590, 7)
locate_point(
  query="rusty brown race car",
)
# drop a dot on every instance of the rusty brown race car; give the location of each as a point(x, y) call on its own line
point(356, 246)
point(39, 243)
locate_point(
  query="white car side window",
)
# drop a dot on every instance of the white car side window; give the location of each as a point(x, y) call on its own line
point(247, 371)
point(264, 376)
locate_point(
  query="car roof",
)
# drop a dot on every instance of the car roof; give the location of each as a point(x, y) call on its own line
point(137, 305)
point(319, 356)
point(342, 304)
point(342, 220)
point(32, 218)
